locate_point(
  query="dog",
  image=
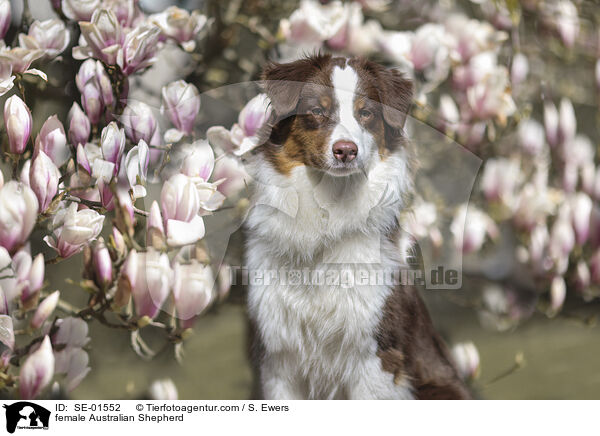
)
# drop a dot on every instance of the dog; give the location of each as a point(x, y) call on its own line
point(335, 172)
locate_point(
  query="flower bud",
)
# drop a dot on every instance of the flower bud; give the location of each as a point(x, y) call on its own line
point(155, 235)
point(519, 69)
point(19, 205)
point(466, 358)
point(567, 123)
point(118, 242)
point(163, 390)
point(192, 290)
point(79, 126)
point(152, 284)
point(581, 207)
point(102, 264)
point(45, 309)
point(139, 122)
point(180, 204)
point(531, 136)
point(136, 168)
point(181, 102)
point(43, 179)
point(127, 279)
point(139, 48)
point(17, 119)
point(5, 17)
point(112, 143)
point(53, 141)
point(224, 281)
point(551, 123)
point(558, 292)
point(91, 100)
point(582, 276)
point(79, 10)
point(37, 371)
point(256, 112)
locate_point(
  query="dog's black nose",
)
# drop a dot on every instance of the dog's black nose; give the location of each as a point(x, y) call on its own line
point(345, 151)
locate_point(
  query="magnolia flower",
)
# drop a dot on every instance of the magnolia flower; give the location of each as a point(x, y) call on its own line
point(468, 37)
point(17, 119)
point(181, 103)
point(531, 136)
point(198, 165)
point(30, 275)
point(566, 21)
point(163, 390)
point(18, 213)
point(79, 126)
point(180, 205)
point(581, 210)
point(95, 88)
point(519, 69)
point(151, 285)
point(127, 11)
point(155, 232)
point(475, 71)
point(79, 10)
point(72, 333)
point(470, 229)
point(179, 25)
point(192, 290)
point(314, 22)
point(582, 276)
point(567, 123)
point(53, 141)
point(429, 51)
point(73, 229)
point(491, 97)
point(243, 136)
point(139, 48)
point(6, 78)
point(102, 263)
point(232, 174)
point(21, 58)
point(500, 180)
point(45, 309)
point(139, 122)
point(396, 46)
point(558, 292)
point(37, 371)
point(112, 144)
point(466, 358)
point(136, 168)
point(551, 123)
point(5, 17)
point(103, 35)
point(73, 363)
point(43, 179)
point(562, 240)
point(224, 281)
point(50, 36)
point(422, 222)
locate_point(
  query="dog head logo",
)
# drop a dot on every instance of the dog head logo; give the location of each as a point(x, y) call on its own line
point(26, 415)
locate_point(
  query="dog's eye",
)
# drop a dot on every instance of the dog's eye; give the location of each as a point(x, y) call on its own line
point(364, 113)
point(317, 111)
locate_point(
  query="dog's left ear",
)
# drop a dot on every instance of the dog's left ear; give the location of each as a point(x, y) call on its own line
point(396, 94)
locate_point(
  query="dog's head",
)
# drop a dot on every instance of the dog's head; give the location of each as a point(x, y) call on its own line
point(334, 114)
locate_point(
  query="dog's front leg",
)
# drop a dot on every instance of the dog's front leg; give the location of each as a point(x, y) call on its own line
point(371, 382)
point(279, 382)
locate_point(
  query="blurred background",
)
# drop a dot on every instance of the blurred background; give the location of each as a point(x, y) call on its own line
point(513, 82)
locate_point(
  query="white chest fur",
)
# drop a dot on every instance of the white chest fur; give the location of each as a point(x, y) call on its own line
point(318, 332)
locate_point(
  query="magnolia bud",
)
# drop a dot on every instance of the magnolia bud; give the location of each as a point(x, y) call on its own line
point(5, 17)
point(44, 310)
point(519, 69)
point(139, 122)
point(567, 123)
point(17, 119)
point(118, 242)
point(155, 235)
point(551, 123)
point(37, 371)
point(558, 292)
point(79, 126)
point(466, 358)
point(19, 206)
point(112, 143)
point(91, 100)
point(181, 102)
point(53, 141)
point(102, 264)
point(43, 179)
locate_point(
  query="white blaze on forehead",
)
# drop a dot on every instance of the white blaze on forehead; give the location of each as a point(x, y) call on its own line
point(345, 86)
point(345, 83)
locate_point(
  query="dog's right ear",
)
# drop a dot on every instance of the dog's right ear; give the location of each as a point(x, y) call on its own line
point(283, 82)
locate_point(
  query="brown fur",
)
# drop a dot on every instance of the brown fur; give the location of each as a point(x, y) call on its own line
point(409, 346)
